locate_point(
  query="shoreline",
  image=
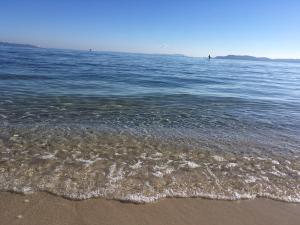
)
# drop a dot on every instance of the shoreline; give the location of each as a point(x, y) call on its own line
point(45, 208)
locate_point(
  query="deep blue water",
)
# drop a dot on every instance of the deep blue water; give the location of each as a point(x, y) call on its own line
point(221, 105)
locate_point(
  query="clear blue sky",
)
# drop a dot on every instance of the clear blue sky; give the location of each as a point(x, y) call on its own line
point(191, 27)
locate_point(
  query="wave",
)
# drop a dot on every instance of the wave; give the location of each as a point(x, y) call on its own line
point(24, 77)
point(81, 164)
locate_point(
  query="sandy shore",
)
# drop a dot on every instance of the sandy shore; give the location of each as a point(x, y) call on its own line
point(43, 208)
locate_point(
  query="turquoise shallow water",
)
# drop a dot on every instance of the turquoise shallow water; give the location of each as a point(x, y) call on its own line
point(141, 127)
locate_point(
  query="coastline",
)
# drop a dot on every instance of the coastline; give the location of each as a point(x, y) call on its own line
point(45, 208)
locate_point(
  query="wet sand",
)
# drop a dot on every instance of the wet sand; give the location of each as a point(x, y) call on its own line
point(43, 208)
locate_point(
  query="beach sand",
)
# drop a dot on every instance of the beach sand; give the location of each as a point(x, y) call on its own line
point(43, 208)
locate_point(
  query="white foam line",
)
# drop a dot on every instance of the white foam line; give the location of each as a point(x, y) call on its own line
point(137, 165)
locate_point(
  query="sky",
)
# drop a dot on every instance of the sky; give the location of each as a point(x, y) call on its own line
point(192, 27)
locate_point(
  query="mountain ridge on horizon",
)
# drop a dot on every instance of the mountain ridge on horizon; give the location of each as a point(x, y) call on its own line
point(17, 44)
point(231, 56)
point(253, 58)
point(13, 44)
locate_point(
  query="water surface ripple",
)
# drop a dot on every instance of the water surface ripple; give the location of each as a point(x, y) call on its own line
point(142, 127)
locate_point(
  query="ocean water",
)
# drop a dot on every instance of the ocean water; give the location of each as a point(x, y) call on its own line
point(138, 127)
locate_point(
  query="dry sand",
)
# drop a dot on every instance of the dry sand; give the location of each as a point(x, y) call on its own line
point(43, 208)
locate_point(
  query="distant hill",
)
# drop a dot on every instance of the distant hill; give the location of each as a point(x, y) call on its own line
point(243, 57)
point(17, 45)
point(252, 58)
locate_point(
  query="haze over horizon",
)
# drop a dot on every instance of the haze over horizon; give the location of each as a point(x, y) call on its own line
point(259, 28)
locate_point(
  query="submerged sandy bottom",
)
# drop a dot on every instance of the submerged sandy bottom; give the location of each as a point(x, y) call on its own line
point(80, 163)
point(43, 208)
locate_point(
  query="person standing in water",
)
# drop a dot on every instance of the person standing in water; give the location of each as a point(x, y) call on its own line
point(209, 57)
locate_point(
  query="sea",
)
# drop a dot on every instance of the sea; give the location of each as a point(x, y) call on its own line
point(142, 127)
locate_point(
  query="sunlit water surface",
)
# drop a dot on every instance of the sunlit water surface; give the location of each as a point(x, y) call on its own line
point(142, 127)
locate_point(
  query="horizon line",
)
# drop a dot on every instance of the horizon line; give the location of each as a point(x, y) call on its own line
point(147, 53)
